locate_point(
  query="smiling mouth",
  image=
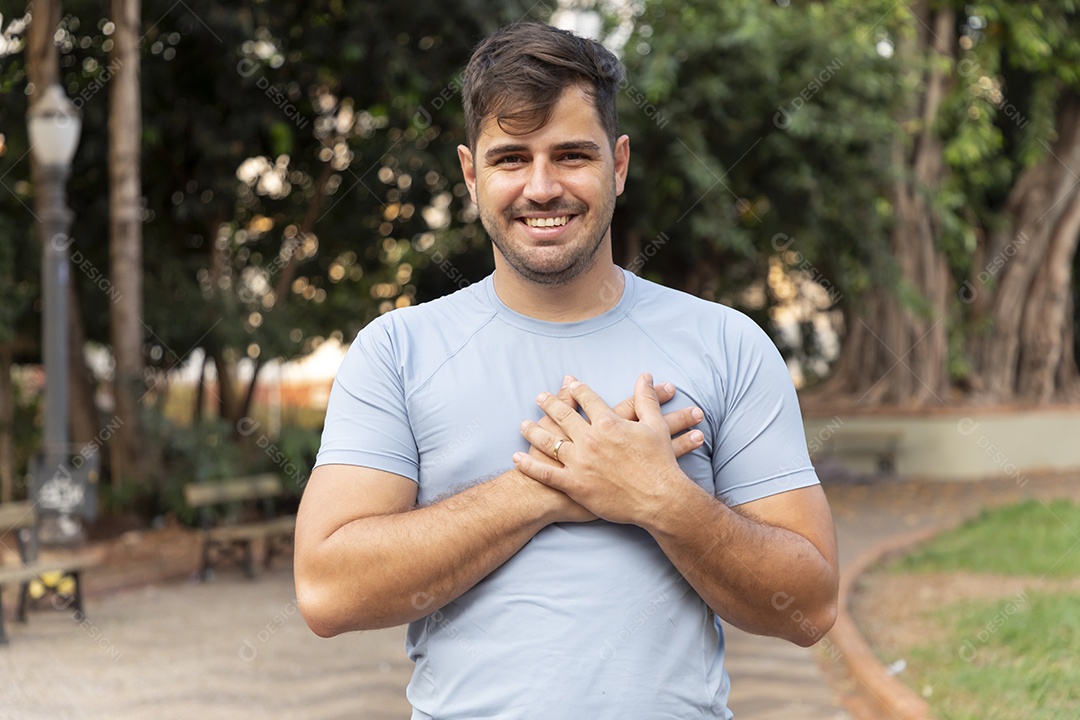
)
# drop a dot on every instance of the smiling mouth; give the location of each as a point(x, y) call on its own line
point(547, 222)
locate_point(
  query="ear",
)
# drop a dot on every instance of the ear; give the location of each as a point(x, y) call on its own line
point(468, 169)
point(622, 163)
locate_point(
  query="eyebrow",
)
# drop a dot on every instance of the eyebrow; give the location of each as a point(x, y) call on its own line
point(508, 148)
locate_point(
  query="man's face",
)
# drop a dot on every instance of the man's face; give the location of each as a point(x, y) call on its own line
point(546, 198)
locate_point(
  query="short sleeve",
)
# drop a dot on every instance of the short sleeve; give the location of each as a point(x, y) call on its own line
point(367, 422)
point(759, 444)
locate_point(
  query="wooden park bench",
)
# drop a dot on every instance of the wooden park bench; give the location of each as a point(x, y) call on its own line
point(881, 446)
point(234, 514)
point(60, 579)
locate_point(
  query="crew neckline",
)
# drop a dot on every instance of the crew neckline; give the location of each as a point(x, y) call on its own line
point(564, 329)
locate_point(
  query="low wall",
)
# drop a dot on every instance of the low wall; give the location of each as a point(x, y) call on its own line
point(965, 444)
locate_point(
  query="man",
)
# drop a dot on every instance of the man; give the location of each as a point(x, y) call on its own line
point(557, 557)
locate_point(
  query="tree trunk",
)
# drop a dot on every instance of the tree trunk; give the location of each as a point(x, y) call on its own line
point(7, 424)
point(895, 347)
point(200, 393)
point(227, 400)
point(125, 241)
point(249, 397)
point(42, 60)
point(1027, 352)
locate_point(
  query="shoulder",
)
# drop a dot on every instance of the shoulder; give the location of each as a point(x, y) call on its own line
point(452, 314)
point(412, 338)
point(725, 349)
point(658, 305)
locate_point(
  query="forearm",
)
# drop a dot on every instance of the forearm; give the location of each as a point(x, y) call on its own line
point(761, 578)
point(385, 570)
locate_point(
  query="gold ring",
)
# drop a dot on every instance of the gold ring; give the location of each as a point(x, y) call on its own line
point(555, 452)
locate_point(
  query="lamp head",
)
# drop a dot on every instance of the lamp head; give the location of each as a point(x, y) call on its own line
point(54, 125)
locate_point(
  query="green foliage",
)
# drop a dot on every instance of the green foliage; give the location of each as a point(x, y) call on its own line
point(1009, 659)
point(751, 121)
point(27, 430)
point(298, 446)
point(1031, 538)
point(771, 137)
point(198, 453)
point(310, 141)
point(300, 172)
point(214, 450)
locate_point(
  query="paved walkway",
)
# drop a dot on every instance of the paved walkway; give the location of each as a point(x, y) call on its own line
point(234, 649)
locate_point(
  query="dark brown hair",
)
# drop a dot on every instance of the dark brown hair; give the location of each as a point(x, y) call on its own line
point(518, 73)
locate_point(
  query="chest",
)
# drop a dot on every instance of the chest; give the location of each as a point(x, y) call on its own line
point(465, 415)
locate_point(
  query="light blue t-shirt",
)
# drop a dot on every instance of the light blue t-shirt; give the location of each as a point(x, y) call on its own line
point(587, 620)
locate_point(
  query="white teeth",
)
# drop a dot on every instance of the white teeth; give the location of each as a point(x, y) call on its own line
point(547, 222)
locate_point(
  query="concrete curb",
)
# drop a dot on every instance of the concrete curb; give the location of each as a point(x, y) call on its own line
point(885, 695)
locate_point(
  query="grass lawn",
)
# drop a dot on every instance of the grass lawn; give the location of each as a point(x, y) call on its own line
point(1032, 538)
point(1013, 659)
point(1016, 657)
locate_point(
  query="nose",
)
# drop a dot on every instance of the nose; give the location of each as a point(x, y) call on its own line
point(542, 184)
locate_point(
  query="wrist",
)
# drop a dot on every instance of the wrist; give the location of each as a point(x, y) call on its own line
point(541, 502)
point(675, 499)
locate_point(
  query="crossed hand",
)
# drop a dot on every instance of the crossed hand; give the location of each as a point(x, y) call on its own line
point(617, 464)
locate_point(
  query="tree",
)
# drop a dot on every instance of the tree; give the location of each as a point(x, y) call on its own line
point(926, 171)
point(760, 140)
point(1023, 71)
point(895, 348)
point(125, 240)
point(297, 175)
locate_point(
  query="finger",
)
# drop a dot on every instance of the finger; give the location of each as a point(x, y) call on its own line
point(593, 405)
point(537, 470)
point(687, 442)
point(534, 452)
point(564, 395)
point(565, 416)
point(625, 409)
point(541, 439)
point(684, 419)
point(646, 403)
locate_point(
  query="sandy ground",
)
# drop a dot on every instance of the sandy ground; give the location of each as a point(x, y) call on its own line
point(230, 649)
point(236, 649)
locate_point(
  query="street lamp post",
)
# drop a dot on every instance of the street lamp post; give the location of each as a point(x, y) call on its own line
point(54, 126)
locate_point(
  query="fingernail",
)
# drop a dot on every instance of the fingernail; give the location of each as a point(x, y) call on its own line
point(524, 425)
point(541, 397)
point(648, 378)
point(567, 380)
point(697, 414)
point(575, 385)
point(697, 436)
point(517, 457)
point(669, 387)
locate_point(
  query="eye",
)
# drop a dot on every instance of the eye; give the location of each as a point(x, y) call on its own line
point(510, 160)
point(576, 157)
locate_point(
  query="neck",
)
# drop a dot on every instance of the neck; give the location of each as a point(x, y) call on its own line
point(592, 293)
